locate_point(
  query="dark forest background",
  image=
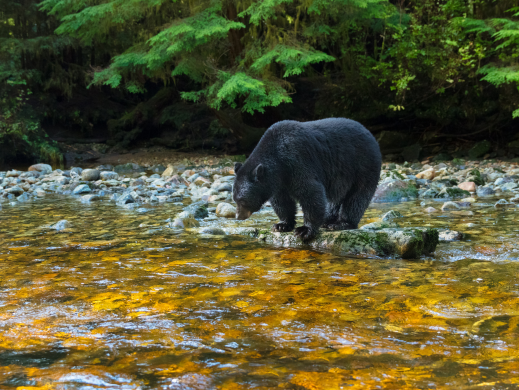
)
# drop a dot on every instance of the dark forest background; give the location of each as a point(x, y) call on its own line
point(214, 74)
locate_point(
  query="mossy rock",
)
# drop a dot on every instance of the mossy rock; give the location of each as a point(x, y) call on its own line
point(479, 149)
point(406, 243)
point(452, 193)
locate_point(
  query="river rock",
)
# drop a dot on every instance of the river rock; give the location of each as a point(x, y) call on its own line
point(16, 191)
point(427, 174)
point(407, 243)
point(392, 214)
point(431, 210)
point(485, 191)
point(81, 189)
point(501, 203)
point(221, 187)
point(394, 191)
point(109, 175)
point(215, 231)
point(61, 225)
point(452, 193)
point(197, 210)
point(90, 198)
point(40, 192)
point(450, 235)
point(43, 168)
point(226, 210)
point(447, 206)
point(23, 198)
point(125, 199)
point(469, 186)
point(170, 171)
point(379, 225)
point(90, 175)
point(184, 223)
point(515, 200)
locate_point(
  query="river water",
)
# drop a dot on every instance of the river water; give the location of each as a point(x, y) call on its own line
point(119, 302)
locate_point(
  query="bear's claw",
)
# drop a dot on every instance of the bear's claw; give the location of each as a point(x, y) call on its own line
point(305, 233)
point(338, 226)
point(282, 227)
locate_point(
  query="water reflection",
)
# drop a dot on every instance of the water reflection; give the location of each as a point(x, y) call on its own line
point(117, 301)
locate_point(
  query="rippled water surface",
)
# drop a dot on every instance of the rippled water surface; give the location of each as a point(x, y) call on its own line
point(119, 302)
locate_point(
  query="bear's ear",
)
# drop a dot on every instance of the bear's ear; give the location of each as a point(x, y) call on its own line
point(237, 166)
point(258, 173)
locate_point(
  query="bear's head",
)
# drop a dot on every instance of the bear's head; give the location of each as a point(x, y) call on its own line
point(250, 190)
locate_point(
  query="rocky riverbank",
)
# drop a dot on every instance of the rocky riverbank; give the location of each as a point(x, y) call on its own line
point(204, 195)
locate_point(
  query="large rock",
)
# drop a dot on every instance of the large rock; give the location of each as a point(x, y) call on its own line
point(43, 168)
point(90, 175)
point(226, 210)
point(394, 191)
point(407, 243)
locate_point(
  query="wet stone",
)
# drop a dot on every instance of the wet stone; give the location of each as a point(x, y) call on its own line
point(109, 175)
point(81, 189)
point(197, 210)
point(90, 175)
point(392, 214)
point(226, 210)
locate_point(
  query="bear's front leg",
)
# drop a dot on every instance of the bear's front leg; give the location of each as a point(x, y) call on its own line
point(313, 201)
point(285, 208)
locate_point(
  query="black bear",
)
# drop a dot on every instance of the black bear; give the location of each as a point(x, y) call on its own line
point(330, 166)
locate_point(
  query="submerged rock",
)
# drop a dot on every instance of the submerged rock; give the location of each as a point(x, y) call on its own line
point(407, 243)
point(450, 235)
point(197, 209)
point(213, 231)
point(61, 225)
point(391, 214)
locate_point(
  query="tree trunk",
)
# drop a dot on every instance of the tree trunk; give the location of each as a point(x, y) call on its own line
point(234, 35)
point(248, 136)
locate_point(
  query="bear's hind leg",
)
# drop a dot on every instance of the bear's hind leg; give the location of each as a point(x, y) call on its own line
point(285, 208)
point(352, 209)
point(332, 216)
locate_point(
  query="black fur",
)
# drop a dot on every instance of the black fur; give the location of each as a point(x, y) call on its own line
point(330, 166)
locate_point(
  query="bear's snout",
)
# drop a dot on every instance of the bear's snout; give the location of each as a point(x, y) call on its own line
point(242, 213)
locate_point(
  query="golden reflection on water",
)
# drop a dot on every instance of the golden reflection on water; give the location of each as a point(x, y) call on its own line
point(118, 302)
